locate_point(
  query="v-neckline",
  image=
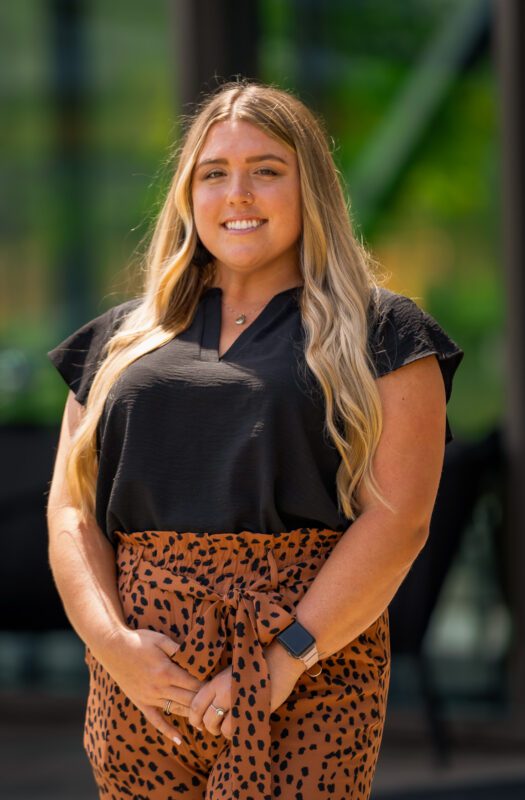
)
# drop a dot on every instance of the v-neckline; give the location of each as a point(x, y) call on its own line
point(213, 323)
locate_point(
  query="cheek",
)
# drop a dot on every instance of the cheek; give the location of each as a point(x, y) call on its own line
point(291, 206)
point(298, 215)
point(293, 215)
point(203, 206)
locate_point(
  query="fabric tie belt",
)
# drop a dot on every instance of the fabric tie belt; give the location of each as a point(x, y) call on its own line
point(259, 617)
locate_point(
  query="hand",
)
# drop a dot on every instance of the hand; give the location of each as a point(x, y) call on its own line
point(139, 662)
point(217, 690)
point(284, 671)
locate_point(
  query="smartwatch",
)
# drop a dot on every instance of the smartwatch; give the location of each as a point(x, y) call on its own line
point(300, 643)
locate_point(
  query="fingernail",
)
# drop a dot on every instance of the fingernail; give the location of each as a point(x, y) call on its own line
point(177, 740)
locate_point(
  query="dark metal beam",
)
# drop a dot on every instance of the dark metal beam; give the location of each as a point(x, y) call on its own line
point(510, 61)
point(69, 100)
point(214, 40)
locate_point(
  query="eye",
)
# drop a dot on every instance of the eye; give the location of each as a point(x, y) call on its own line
point(215, 172)
point(212, 173)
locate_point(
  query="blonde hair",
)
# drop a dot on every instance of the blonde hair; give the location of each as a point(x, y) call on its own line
point(338, 286)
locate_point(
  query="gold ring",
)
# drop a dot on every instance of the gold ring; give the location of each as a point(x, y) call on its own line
point(219, 711)
point(167, 706)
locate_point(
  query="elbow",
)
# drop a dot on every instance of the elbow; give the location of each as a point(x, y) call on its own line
point(409, 533)
point(421, 535)
point(414, 540)
point(418, 532)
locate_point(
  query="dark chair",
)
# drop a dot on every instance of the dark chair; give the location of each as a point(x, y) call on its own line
point(470, 471)
point(26, 585)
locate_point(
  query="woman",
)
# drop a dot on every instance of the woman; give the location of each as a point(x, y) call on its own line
point(247, 467)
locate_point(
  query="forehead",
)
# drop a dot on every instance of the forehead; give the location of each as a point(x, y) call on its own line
point(240, 138)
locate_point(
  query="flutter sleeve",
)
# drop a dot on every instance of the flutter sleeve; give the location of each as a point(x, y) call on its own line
point(402, 332)
point(79, 355)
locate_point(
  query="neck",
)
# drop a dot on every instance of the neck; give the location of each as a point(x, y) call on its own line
point(248, 292)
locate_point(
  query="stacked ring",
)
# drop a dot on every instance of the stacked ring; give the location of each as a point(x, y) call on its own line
point(167, 706)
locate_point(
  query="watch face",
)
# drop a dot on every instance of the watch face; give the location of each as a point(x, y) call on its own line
point(296, 639)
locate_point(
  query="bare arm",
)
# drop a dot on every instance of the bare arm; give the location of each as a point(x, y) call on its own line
point(83, 565)
point(372, 558)
point(81, 558)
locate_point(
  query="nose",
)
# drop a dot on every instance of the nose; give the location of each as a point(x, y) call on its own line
point(239, 193)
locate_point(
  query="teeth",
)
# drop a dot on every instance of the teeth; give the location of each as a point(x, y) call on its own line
point(241, 225)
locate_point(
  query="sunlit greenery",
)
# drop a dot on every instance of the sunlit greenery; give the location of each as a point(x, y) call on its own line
point(434, 226)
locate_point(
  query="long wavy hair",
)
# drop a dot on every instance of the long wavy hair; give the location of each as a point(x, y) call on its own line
point(339, 281)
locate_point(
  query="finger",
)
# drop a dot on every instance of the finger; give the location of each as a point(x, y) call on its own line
point(200, 704)
point(160, 721)
point(227, 726)
point(183, 697)
point(181, 700)
point(181, 677)
point(175, 708)
point(213, 721)
point(168, 646)
point(182, 680)
point(186, 681)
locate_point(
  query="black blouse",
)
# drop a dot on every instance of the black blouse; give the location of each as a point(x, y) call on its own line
point(190, 441)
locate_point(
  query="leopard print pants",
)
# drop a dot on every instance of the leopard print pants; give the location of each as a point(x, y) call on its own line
point(222, 597)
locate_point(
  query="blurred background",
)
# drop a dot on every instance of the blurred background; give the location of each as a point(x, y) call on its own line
point(425, 103)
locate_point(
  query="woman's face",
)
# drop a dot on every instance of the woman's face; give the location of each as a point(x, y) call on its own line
point(252, 178)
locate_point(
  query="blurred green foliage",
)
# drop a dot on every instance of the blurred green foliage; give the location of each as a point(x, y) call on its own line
point(436, 230)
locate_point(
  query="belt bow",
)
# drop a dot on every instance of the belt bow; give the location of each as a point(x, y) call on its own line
point(259, 617)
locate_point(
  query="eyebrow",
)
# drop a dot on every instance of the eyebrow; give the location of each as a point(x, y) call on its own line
point(249, 160)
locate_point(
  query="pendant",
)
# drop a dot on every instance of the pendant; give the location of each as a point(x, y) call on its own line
point(241, 320)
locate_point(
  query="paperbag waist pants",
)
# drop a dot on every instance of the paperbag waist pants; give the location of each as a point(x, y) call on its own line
point(222, 597)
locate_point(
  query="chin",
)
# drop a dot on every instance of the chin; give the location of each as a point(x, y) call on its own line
point(242, 264)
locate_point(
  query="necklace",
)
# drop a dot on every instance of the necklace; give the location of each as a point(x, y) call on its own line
point(242, 317)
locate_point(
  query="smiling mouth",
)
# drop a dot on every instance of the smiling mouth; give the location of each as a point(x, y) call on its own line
point(243, 228)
